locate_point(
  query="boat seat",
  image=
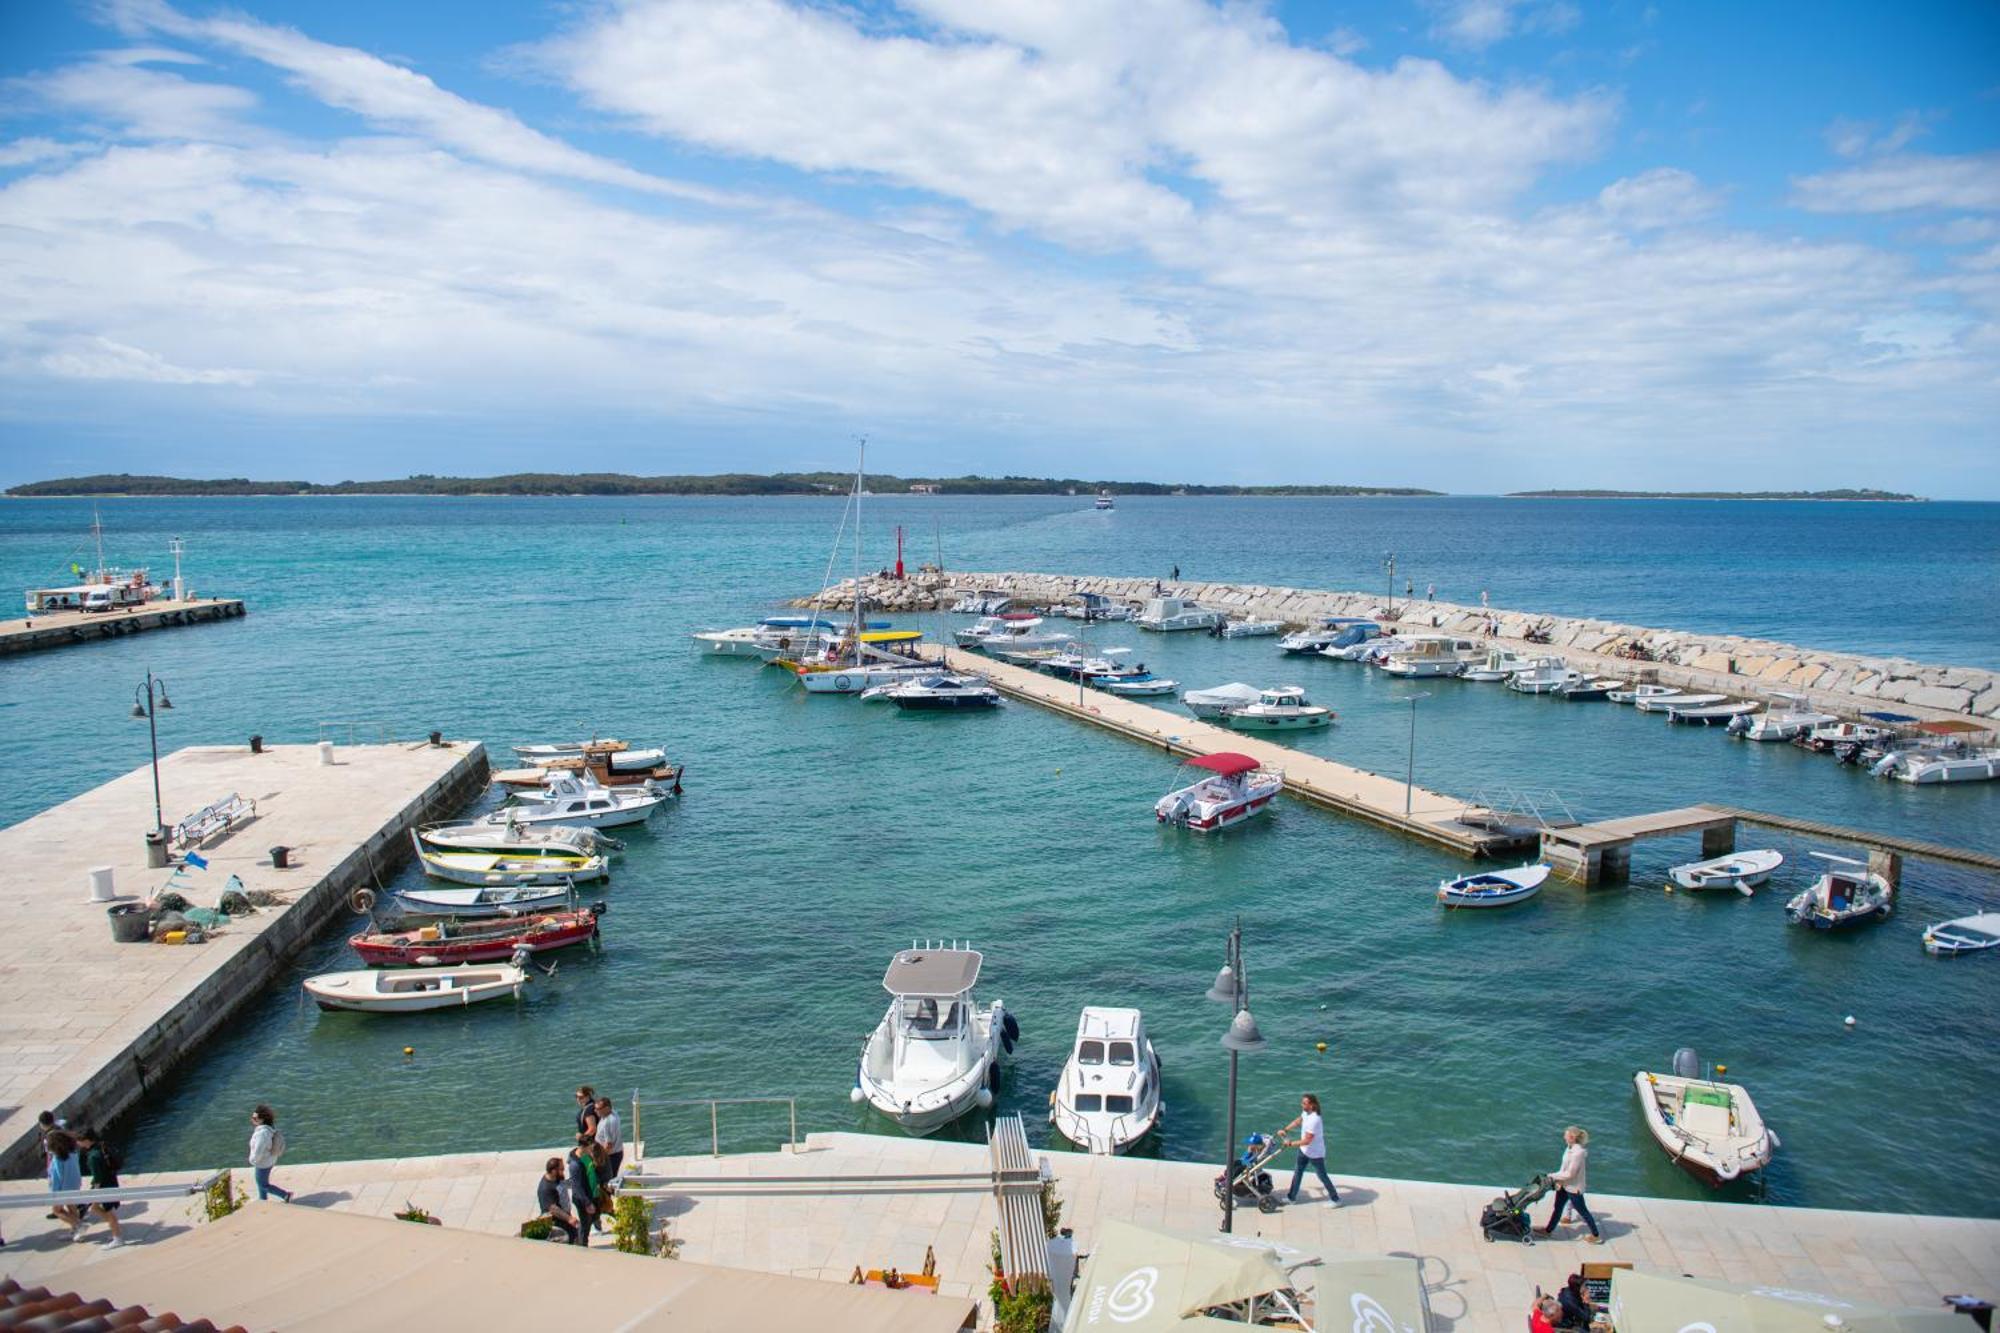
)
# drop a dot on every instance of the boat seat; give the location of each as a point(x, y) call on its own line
point(1705, 1119)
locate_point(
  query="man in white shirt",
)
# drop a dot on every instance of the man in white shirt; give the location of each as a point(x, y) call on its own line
point(1311, 1144)
point(610, 1137)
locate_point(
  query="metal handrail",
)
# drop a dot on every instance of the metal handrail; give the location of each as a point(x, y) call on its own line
point(381, 731)
point(714, 1105)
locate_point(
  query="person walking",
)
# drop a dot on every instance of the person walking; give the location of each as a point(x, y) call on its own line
point(1482, 599)
point(102, 1169)
point(1177, 573)
point(610, 1137)
point(65, 1173)
point(582, 1190)
point(1430, 592)
point(1311, 1144)
point(1570, 1183)
point(549, 1197)
point(267, 1145)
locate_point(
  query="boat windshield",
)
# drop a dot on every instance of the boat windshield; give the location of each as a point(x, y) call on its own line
point(1118, 1105)
point(1090, 1053)
point(1089, 1101)
point(1122, 1055)
point(931, 1019)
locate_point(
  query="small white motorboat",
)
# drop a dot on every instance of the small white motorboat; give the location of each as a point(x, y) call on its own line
point(1329, 631)
point(511, 869)
point(1166, 614)
point(535, 754)
point(1848, 894)
point(1366, 648)
point(1091, 606)
point(1633, 694)
point(1544, 675)
point(1213, 703)
point(936, 1053)
point(1741, 871)
point(983, 602)
point(1493, 888)
point(1109, 1095)
point(1234, 787)
point(1012, 629)
point(1710, 1130)
point(1586, 687)
point(1727, 713)
point(1250, 629)
point(404, 990)
point(1789, 716)
point(1498, 664)
point(1138, 687)
point(1966, 934)
point(1925, 767)
point(578, 799)
point(1666, 703)
point(538, 839)
point(494, 900)
point(1283, 709)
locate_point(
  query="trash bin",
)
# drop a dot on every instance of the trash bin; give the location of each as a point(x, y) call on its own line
point(281, 857)
point(129, 923)
point(156, 850)
point(256, 745)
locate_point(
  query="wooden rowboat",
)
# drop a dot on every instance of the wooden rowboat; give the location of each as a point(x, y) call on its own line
point(406, 990)
point(458, 942)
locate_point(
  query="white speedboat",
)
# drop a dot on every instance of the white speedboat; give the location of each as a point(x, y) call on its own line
point(1967, 934)
point(1173, 613)
point(1434, 655)
point(539, 754)
point(1741, 871)
point(1493, 888)
point(1328, 631)
point(480, 836)
point(1109, 1095)
point(936, 1053)
point(1234, 788)
point(1848, 894)
point(1837, 736)
point(1925, 767)
point(1635, 693)
point(938, 693)
point(983, 602)
point(1144, 686)
point(1014, 629)
point(1544, 675)
point(1103, 501)
point(1213, 703)
point(1283, 709)
point(1725, 714)
point(496, 901)
point(1498, 664)
point(1586, 687)
point(404, 990)
point(1666, 703)
point(579, 800)
point(1250, 629)
point(1369, 647)
point(1788, 716)
point(1710, 1130)
point(511, 868)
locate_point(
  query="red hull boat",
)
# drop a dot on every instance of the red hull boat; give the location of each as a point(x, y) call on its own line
point(476, 941)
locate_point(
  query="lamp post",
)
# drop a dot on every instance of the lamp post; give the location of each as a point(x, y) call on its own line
point(147, 700)
point(1389, 564)
point(1410, 773)
point(1232, 987)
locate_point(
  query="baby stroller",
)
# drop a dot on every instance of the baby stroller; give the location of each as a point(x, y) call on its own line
point(1506, 1218)
point(1247, 1174)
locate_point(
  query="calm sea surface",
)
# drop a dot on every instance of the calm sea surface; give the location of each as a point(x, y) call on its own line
point(748, 929)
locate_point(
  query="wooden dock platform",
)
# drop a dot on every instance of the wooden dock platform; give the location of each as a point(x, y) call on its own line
point(1587, 853)
point(88, 1024)
point(60, 629)
point(1433, 816)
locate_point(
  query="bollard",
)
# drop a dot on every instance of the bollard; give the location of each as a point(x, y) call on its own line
point(437, 739)
point(256, 745)
point(156, 850)
point(281, 857)
point(101, 890)
point(326, 754)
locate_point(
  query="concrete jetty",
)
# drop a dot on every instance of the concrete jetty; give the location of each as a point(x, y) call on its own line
point(61, 629)
point(1418, 811)
point(88, 1024)
point(816, 1231)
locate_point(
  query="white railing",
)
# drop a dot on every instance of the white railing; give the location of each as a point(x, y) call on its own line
point(715, 1105)
point(357, 732)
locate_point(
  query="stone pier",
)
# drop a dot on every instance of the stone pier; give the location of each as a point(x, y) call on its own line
point(61, 629)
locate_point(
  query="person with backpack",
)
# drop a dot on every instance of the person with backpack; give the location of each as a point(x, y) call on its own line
point(267, 1145)
point(65, 1174)
point(102, 1168)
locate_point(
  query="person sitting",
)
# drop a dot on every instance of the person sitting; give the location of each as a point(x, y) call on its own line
point(1542, 1318)
point(1574, 1305)
point(549, 1196)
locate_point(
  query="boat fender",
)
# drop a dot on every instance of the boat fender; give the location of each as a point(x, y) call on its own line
point(599, 908)
point(854, 1094)
point(361, 901)
point(1727, 1170)
point(984, 1098)
point(992, 1079)
point(1010, 1029)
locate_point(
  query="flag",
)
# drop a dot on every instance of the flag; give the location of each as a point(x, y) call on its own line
point(195, 859)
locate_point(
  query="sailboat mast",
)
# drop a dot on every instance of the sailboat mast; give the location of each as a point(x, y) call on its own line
point(97, 531)
point(860, 469)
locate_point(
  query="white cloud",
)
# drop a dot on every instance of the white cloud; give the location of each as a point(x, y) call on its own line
point(27, 152)
point(103, 359)
point(1478, 24)
point(1662, 197)
point(1896, 184)
point(118, 91)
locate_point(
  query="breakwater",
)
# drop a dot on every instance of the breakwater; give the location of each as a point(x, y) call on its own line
point(60, 629)
point(1846, 683)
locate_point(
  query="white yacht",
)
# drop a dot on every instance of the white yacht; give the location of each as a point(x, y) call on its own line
point(1173, 613)
point(579, 799)
point(1498, 664)
point(1233, 788)
point(1433, 655)
point(1785, 718)
point(773, 636)
point(1103, 501)
point(936, 1053)
point(1011, 629)
point(1283, 709)
point(1213, 703)
point(1109, 1095)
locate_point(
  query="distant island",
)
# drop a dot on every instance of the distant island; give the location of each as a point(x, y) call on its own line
point(1862, 494)
point(619, 483)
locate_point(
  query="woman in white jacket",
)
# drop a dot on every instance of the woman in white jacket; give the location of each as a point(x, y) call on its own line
point(267, 1145)
point(1570, 1183)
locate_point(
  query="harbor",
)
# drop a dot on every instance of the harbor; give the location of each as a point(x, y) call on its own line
point(62, 629)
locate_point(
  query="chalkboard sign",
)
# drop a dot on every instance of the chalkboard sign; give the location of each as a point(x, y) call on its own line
point(1597, 1281)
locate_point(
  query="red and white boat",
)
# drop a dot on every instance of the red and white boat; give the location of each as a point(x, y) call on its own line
point(494, 940)
point(1234, 787)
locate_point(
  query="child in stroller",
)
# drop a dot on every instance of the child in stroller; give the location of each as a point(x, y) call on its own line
point(1247, 1176)
point(1506, 1218)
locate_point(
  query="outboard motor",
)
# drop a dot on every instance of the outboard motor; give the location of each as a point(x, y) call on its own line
point(1686, 1063)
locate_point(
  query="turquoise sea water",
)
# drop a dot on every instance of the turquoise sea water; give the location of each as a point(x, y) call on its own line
point(749, 927)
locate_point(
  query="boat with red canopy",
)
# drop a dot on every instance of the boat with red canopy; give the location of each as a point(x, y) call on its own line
point(1232, 788)
point(484, 941)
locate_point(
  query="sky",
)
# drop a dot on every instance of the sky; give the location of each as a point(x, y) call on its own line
point(1472, 245)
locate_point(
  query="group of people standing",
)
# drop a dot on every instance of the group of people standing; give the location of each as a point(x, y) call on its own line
point(575, 1190)
point(70, 1154)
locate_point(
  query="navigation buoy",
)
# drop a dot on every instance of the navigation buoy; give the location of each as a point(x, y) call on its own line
point(1849, 1020)
point(409, 1050)
point(1320, 1047)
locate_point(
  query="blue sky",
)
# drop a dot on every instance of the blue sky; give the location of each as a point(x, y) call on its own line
point(1469, 244)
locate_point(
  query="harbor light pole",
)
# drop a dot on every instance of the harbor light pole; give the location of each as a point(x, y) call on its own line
point(147, 700)
point(1389, 564)
point(1232, 987)
point(177, 546)
point(1410, 773)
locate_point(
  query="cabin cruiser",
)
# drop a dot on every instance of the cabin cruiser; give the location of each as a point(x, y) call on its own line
point(937, 693)
point(1741, 871)
point(1014, 629)
point(1283, 709)
point(1174, 613)
point(1103, 501)
point(1234, 787)
point(1498, 664)
point(936, 1053)
point(1433, 655)
point(1710, 1130)
point(1543, 675)
point(1213, 703)
point(1091, 606)
point(1796, 718)
point(775, 636)
point(1249, 629)
point(1109, 1095)
point(581, 800)
point(982, 602)
point(1330, 631)
point(1846, 895)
